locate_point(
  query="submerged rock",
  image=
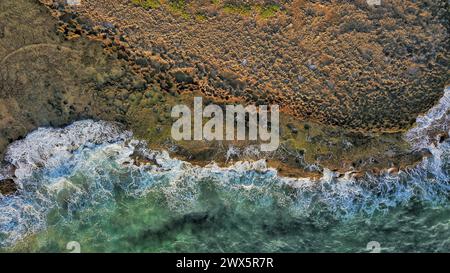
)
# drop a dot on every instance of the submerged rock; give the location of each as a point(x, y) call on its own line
point(7, 187)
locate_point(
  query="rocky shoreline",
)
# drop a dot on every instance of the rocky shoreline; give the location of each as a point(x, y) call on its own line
point(346, 64)
point(80, 65)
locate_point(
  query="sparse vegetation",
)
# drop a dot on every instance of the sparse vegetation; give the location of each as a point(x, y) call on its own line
point(147, 4)
point(190, 10)
point(200, 17)
point(241, 9)
point(179, 7)
point(175, 6)
point(268, 11)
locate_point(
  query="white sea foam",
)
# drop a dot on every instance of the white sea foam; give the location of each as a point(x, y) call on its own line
point(81, 165)
point(436, 120)
point(49, 147)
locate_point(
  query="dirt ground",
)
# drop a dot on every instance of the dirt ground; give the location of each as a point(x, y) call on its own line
point(343, 63)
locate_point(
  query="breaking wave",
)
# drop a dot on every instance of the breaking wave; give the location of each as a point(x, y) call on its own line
point(88, 163)
point(430, 125)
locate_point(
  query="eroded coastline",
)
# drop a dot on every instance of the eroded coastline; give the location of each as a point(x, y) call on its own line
point(90, 166)
point(103, 75)
point(64, 172)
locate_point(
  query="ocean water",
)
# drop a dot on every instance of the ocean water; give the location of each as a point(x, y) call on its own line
point(81, 184)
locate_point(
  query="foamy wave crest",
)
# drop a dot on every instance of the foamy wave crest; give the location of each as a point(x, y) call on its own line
point(49, 147)
point(428, 126)
point(85, 165)
point(33, 161)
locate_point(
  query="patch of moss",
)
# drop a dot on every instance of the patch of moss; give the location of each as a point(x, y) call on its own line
point(147, 4)
point(241, 9)
point(200, 17)
point(179, 7)
point(268, 11)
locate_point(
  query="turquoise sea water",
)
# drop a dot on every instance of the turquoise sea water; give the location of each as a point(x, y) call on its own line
point(80, 184)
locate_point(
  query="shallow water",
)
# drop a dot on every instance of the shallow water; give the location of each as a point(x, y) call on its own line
point(81, 184)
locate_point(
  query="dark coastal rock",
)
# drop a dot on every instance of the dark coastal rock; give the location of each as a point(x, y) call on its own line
point(139, 84)
point(330, 84)
point(7, 187)
point(108, 25)
point(301, 79)
point(443, 137)
point(122, 55)
point(2, 31)
point(424, 153)
point(311, 66)
point(142, 62)
point(183, 75)
point(67, 17)
point(292, 128)
point(417, 156)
